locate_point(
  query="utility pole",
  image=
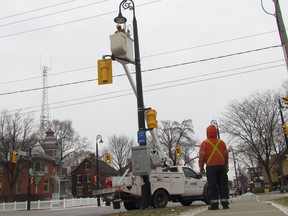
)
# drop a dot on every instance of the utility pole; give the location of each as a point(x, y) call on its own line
point(282, 31)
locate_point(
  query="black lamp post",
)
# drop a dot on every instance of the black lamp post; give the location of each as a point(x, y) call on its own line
point(214, 122)
point(98, 137)
point(129, 4)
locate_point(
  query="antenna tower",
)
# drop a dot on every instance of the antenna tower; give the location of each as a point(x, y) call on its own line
point(44, 118)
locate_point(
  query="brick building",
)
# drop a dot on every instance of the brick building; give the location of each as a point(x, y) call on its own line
point(82, 175)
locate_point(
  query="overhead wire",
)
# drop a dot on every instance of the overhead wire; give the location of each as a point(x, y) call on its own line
point(38, 9)
point(165, 87)
point(147, 70)
point(69, 22)
point(50, 14)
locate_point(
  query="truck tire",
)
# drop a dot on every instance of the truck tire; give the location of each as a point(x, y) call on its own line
point(129, 206)
point(116, 205)
point(160, 198)
point(186, 202)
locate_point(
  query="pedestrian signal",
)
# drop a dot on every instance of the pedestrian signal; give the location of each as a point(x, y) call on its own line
point(104, 71)
point(151, 118)
point(14, 156)
point(107, 158)
point(178, 151)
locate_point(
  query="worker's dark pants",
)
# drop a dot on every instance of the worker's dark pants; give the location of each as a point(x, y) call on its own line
point(218, 184)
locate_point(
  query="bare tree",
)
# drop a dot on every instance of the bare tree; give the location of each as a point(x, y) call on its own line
point(17, 134)
point(173, 133)
point(120, 149)
point(254, 126)
point(70, 140)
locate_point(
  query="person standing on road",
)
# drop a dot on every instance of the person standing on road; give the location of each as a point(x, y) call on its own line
point(213, 153)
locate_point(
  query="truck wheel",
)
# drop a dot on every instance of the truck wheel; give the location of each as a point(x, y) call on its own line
point(160, 198)
point(186, 202)
point(129, 206)
point(116, 205)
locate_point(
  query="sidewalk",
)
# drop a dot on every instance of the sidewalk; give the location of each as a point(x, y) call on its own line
point(247, 204)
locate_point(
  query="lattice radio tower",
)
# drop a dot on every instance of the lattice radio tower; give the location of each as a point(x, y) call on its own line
point(44, 118)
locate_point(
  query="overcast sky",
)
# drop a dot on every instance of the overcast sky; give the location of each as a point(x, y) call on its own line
point(216, 51)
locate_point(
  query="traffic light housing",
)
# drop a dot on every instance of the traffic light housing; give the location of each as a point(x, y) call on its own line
point(14, 156)
point(178, 151)
point(286, 156)
point(107, 157)
point(285, 128)
point(94, 178)
point(151, 118)
point(104, 71)
point(32, 180)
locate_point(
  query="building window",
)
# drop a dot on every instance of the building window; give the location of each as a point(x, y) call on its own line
point(88, 178)
point(46, 186)
point(89, 188)
point(0, 188)
point(56, 153)
point(79, 179)
point(1, 170)
point(18, 186)
point(46, 168)
point(38, 166)
point(80, 191)
point(87, 166)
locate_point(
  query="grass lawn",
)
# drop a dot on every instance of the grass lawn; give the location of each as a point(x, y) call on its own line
point(282, 201)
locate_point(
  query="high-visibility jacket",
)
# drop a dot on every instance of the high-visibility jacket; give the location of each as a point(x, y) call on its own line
point(213, 151)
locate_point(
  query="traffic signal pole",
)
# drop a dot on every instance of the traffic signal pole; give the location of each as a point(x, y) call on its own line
point(29, 182)
point(283, 122)
point(282, 31)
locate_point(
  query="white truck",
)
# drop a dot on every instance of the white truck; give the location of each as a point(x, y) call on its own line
point(174, 183)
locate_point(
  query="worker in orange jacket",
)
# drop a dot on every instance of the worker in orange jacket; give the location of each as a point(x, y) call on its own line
point(213, 153)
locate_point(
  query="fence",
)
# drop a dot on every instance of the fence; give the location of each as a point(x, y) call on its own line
point(48, 204)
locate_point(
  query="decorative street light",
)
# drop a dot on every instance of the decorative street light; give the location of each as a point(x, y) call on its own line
point(129, 4)
point(214, 122)
point(98, 137)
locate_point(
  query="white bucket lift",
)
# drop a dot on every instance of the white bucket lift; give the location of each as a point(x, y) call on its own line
point(121, 46)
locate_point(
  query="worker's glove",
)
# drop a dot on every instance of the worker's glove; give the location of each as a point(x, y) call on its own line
point(203, 172)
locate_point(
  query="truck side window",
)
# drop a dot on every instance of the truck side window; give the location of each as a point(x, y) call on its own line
point(189, 173)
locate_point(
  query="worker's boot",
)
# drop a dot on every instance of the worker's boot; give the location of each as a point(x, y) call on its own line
point(225, 205)
point(214, 206)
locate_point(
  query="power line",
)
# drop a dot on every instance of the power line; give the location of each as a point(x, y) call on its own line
point(30, 11)
point(46, 15)
point(69, 22)
point(165, 87)
point(152, 69)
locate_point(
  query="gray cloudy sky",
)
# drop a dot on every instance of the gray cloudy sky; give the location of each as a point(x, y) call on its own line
point(180, 34)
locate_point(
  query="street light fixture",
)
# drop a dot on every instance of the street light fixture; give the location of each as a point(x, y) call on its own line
point(98, 137)
point(129, 4)
point(214, 122)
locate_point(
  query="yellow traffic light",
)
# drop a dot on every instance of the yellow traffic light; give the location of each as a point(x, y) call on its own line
point(285, 128)
point(14, 156)
point(32, 180)
point(285, 98)
point(94, 178)
point(286, 156)
point(178, 151)
point(104, 71)
point(107, 158)
point(151, 118)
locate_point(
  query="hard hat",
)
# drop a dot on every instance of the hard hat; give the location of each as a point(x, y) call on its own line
point(118, 25)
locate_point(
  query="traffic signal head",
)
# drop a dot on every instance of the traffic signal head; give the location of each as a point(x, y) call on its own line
point(14, 156)
point(285, 128)
point(285, 98)
point(178, 151)
point(151, 118)
point(107, 158)
point(104, 71)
